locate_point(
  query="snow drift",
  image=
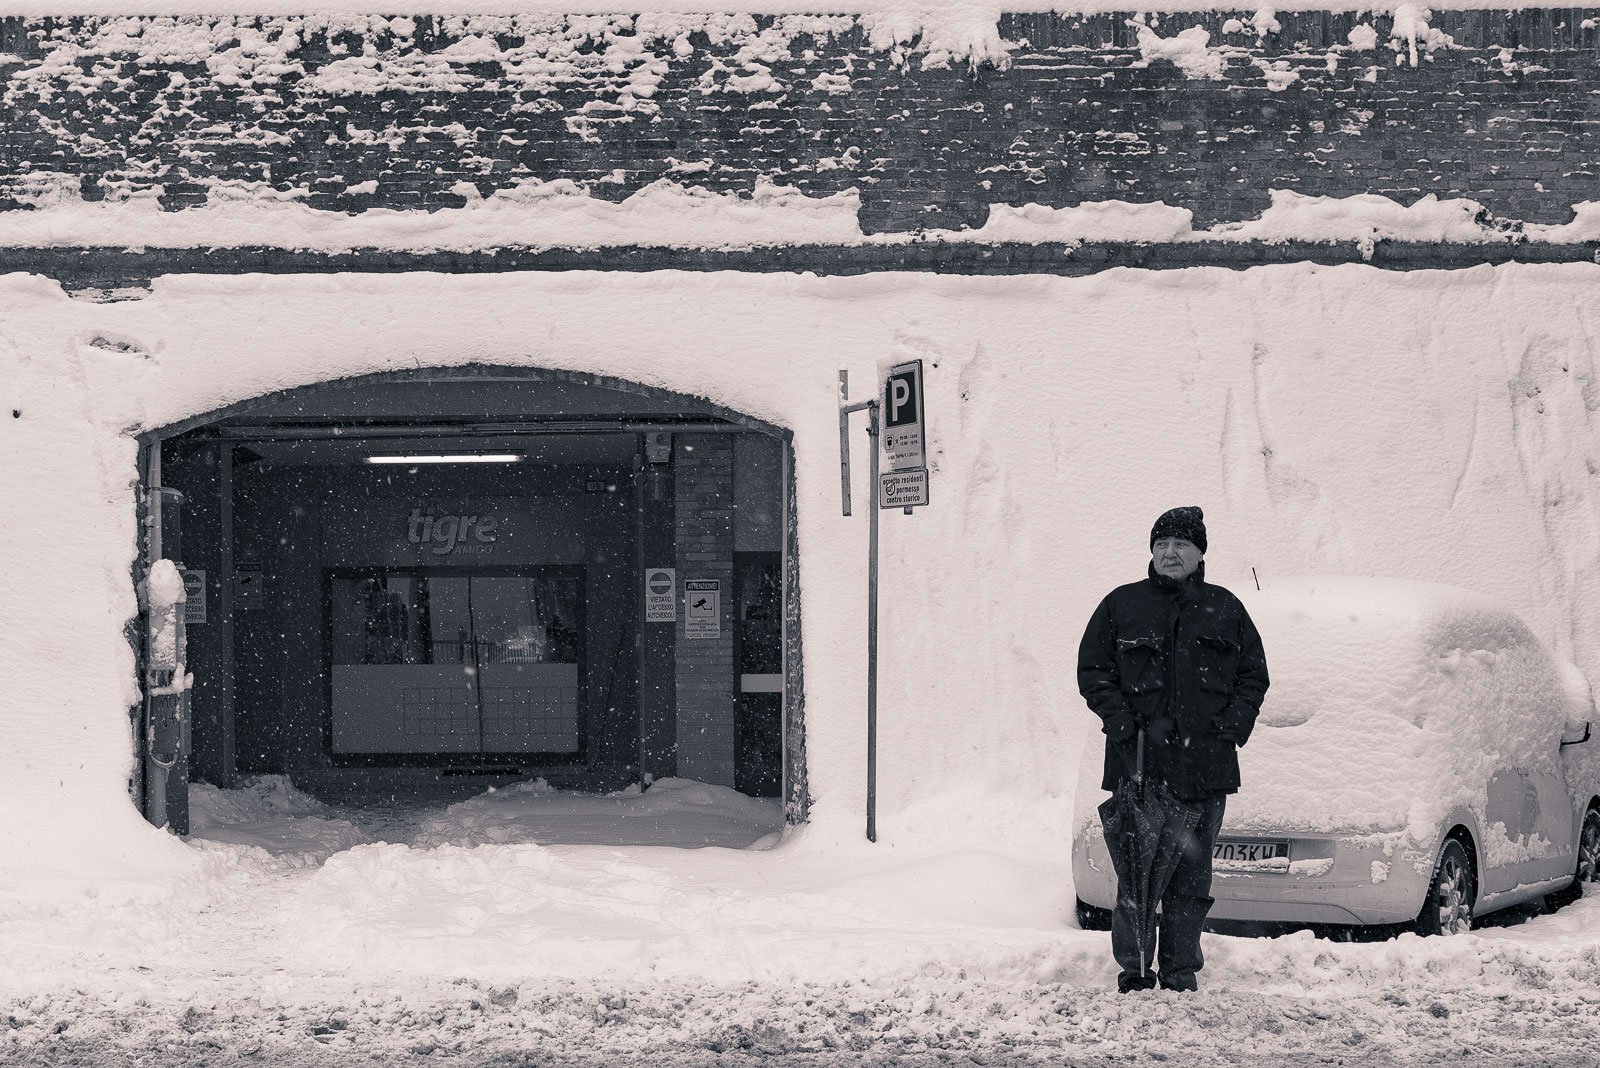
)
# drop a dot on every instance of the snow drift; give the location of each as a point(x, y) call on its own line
point(1339, 420)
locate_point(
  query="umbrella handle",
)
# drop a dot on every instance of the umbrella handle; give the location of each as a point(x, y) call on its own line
point(1138, 759)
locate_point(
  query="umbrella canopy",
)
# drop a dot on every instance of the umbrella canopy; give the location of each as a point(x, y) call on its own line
point(1145, 828)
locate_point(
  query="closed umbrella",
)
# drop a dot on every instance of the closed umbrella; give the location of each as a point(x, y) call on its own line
point(1146, 828)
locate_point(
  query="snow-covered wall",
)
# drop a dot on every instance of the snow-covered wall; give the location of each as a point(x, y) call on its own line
point(1434, 425)
point(909, 120)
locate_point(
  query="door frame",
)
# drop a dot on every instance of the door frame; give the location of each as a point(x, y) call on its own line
point(701, 416)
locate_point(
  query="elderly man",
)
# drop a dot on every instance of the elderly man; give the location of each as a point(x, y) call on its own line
point(1179, 660)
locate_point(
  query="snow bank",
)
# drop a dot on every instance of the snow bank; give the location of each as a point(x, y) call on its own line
point(565, 214)
point(673, 812)
point(1365, 219)
point(1339, 420)
point(533, 213)
point(934, 14)
point(269, 815)
point(1108, 220)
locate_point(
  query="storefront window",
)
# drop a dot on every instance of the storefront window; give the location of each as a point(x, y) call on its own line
point(456, 663)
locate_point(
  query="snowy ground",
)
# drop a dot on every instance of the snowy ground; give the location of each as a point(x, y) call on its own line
point(469, 935)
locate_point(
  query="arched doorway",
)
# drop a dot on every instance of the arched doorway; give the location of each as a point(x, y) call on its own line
point(431, 581)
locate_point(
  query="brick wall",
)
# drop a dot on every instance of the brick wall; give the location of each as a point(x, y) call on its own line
point(367, 113)
point(706, 675)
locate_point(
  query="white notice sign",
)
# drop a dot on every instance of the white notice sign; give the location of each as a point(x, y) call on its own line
point(904, 447)
point(702, 608)
point(660, 595)
point(194, 588)
point(903, 489)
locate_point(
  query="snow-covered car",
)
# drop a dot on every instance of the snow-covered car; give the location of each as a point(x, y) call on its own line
point(1420, 758)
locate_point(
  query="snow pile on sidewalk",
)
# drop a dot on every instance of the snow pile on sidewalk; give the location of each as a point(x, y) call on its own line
point(492, 883)
point(603, 955)
point(673, 812)
point(269, 814)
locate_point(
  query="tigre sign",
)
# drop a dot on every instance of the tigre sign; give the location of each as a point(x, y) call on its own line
point(444, 534)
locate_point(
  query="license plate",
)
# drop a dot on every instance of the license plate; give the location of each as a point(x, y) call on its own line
point(1239, 851)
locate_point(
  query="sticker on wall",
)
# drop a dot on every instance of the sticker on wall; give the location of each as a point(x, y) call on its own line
point(194, 588)
point(702, 608)
point(247, 581)
point(660, 595)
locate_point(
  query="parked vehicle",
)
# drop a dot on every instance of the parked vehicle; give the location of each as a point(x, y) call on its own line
point(1420, 758)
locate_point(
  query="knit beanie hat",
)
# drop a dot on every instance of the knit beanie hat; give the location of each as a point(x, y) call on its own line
point(1186, 523)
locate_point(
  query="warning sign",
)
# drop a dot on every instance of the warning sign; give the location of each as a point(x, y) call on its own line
point(194, 588)
point(702, 608)
point(660, 595)
point(903, 489)
point(904, 448)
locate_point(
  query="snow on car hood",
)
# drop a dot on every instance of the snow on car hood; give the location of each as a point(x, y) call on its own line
point(1393, 702)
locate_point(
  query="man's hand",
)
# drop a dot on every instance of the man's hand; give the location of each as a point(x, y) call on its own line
point(1161, 730)
point(1120, 726)
point(1226, 730)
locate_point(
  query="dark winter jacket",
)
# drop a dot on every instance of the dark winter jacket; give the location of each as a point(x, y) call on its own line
point(1183, 660)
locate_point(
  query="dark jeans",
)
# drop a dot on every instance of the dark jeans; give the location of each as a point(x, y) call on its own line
point(1183, 912)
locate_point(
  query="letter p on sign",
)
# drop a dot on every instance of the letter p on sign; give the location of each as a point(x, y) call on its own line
point(902, 406)
point(903, 430)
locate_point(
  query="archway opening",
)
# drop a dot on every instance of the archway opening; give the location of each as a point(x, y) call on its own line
point(564, 600)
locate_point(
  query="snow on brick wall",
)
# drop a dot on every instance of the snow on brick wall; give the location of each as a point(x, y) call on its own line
point(1203, 110)
point(1430, 425)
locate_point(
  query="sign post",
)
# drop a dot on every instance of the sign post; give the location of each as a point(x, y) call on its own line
point(905, 485)
point(845, 410)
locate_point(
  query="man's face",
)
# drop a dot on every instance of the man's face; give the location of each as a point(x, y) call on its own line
point(1176, 558)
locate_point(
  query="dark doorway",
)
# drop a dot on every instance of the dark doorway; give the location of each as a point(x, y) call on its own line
point(411, 581)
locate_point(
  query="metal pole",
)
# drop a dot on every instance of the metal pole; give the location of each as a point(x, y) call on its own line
point(844, 439)
point(845, 411)
point(872, 630)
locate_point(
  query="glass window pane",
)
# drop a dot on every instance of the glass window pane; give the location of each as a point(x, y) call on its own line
point(379, 620)
point(449, 620)
point(526, 620)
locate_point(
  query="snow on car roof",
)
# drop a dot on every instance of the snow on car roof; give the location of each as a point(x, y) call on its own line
point(1392, 702)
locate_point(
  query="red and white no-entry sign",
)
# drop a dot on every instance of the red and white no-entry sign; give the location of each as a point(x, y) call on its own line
point(660, 595)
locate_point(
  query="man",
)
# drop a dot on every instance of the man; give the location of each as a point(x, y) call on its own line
point(1179, 659)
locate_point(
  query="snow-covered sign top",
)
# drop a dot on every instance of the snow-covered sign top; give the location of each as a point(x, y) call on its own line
point(1393, 703)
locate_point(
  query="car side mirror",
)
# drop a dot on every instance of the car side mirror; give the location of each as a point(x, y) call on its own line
point(1576, 733)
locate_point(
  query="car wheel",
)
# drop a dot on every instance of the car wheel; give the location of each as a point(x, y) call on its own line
point(1447, 909)
point(1093, 917)
point(1588, 869)
point(1589, 849)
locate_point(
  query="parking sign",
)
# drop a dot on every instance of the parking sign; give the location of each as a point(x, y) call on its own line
point(903, 426)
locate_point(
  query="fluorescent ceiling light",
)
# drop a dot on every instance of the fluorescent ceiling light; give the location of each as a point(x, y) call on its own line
point(449, 458)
